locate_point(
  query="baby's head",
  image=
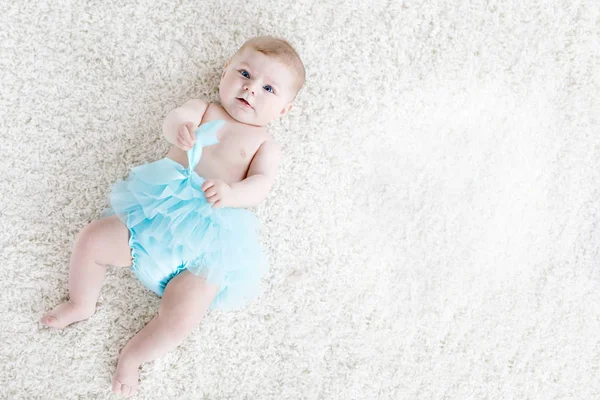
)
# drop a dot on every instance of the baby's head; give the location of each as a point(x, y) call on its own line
point(261, 80)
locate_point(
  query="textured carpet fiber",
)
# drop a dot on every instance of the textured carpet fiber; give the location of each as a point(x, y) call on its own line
point(433, 232)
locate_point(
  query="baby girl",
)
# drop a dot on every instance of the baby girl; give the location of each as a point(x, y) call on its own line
point(181, 222)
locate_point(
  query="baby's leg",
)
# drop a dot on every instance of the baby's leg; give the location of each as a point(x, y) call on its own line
point(184, 303)
point(101, 242)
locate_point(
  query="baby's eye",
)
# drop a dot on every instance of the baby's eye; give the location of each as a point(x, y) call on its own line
point(245, 73)
point(268, 88)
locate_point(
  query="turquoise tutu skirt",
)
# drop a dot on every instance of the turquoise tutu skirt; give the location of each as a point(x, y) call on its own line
point(173, 228)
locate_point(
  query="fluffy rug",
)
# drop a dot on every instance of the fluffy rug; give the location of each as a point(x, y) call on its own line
point(433, 232)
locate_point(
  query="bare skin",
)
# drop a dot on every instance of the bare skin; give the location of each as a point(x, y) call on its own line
point(230, 158)
point(239, 172)
point(99, 243)
point(185, 300)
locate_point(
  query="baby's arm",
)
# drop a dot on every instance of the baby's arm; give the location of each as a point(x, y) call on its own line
point(191, 111)
point(260, 178)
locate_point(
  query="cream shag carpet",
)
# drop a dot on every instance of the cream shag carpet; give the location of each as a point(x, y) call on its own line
point(433, 232)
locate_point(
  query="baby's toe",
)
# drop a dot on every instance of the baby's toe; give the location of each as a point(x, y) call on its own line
point(123, 389)
point(116, 386)
point(127, 390)
point(48, 319)
point(125, 379)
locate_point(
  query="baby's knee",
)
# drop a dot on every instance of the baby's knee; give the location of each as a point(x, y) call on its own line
point(87, 236)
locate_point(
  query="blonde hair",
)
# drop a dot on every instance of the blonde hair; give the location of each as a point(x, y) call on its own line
point(283, 51)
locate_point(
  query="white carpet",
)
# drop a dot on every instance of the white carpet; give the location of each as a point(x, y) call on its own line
point(433, 231)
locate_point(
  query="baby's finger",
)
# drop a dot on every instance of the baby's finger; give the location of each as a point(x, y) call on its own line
point(207, 184)
point(183, 131)
point(190, 133)
point(214, 199)
point(184, 134)
point(180, 137)
point(182, 145)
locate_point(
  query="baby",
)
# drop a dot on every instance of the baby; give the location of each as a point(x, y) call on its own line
point(181, 222)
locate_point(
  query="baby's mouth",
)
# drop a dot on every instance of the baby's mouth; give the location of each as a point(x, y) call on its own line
point(245, 102)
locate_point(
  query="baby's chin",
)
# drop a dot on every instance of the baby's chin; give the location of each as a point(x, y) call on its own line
point(240, 116)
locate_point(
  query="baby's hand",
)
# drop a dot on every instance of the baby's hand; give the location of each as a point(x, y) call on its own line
point(217, 192)
point(186, 137)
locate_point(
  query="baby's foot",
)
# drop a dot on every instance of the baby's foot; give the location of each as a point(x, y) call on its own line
point(65, 314)
point(125, 379)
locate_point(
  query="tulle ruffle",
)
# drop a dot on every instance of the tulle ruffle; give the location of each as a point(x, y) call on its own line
point(174, 228)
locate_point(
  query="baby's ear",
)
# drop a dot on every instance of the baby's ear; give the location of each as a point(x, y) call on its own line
point(225, 69)
point(286, 110)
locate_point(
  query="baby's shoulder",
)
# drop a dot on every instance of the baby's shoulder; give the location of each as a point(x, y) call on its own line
point(270, 146)
point(197, 105)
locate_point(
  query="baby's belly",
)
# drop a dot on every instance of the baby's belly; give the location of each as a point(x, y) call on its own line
point(210, 167)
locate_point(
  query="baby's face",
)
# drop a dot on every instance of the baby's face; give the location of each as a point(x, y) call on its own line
point(256, 89)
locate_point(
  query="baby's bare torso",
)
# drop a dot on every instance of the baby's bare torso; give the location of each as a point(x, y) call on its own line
point(229, 159)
